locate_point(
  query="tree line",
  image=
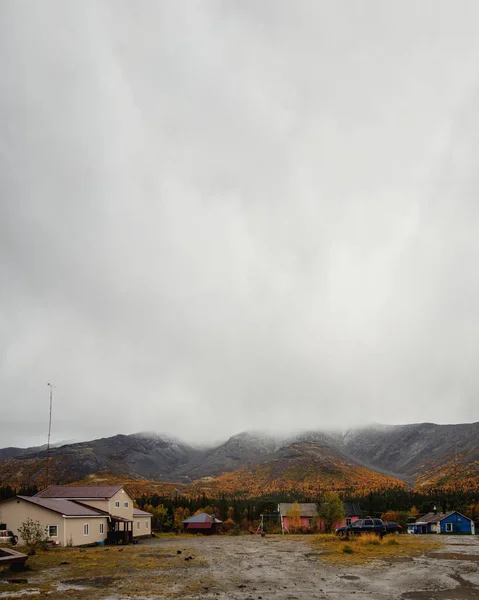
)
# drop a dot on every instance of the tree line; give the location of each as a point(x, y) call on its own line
point(8, 491)
point(240, 513)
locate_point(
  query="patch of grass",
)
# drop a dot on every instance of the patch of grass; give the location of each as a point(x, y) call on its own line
point(326, 538)
point(101, 571)
point(392, 542)
point(368, 539)
point(370, 547)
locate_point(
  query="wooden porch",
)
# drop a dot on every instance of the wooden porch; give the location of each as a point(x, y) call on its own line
point(120, 531)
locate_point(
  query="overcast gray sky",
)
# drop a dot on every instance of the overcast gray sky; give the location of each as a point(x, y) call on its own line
point(225, 215)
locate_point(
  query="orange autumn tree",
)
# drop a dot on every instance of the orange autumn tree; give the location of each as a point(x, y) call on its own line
point(391, 515)
point(414, 513)
point(294, 517)
point(179, 515)
point(331, 510)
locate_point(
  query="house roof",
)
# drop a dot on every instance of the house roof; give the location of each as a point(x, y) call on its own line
point(141, 513)
point(308, 509)
point(429, 518)
point(351, 509)
point(121, 519)
point(68, 508)
point(92, 492)
point(202, 518)
point(437, 517)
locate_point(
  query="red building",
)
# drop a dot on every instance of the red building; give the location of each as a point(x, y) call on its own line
point(202, 523)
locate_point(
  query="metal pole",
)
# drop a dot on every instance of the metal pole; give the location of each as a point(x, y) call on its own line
point(49, 433)
point(50, 419)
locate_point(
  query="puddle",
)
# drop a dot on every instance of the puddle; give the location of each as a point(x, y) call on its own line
point(453, 556)
point(20, 593)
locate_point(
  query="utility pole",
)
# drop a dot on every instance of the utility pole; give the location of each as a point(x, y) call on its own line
point(49, 432)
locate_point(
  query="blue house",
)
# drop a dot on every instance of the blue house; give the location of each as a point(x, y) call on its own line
point(450, 522)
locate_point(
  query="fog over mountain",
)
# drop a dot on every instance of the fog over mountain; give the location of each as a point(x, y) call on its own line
point(219, 217)
point(411, 453)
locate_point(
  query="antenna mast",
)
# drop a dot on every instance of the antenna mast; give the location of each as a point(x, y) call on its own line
point(49, 431)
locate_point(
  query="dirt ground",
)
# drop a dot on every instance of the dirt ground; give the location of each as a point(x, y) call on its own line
point(251, 567)
point(286, 568)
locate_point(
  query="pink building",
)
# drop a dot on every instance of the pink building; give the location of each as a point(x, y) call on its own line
point(352, 513)
point(292, 522)
point(308, 519)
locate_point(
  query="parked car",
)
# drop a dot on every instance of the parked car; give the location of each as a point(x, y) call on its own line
point(8, 537)
point(392, 527)
point(367, 525)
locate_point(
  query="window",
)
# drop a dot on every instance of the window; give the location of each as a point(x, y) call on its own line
point(310, 522)
point(53, 531)
point(146, 524)
point(102, 527)
point(368, 522)
point(138, 524)
point(357, 523)
point(85, 529)
point(126, 505)
point(348, 521)
point(448, 526)
point(117, 504)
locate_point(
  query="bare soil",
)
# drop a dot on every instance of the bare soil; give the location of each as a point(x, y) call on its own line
point(286, 568)
point(252, 568)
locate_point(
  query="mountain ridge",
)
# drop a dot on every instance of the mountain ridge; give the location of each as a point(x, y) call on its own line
point(422, 453)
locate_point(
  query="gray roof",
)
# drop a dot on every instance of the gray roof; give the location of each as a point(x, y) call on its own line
point(309, 509)
point(137, 512)
point(351, 509)
point(202, 518)
point(69, 508)
point(437, 517)
point(433, 517)
point(79, 492)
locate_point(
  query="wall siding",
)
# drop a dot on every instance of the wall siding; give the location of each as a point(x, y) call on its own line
point(16, 511)
point(74, 530)
point(144, 530)
point(460, 524)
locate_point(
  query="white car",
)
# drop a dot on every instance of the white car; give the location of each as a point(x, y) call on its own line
point(8, 537)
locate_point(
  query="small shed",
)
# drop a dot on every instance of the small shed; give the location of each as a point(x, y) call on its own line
point(452, 522)
point(202, 523)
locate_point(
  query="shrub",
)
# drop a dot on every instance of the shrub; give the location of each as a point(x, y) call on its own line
point(347, 549)
point(33, 534)
point(303, 529)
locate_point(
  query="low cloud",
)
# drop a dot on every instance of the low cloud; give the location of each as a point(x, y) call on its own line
point(218, 217)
